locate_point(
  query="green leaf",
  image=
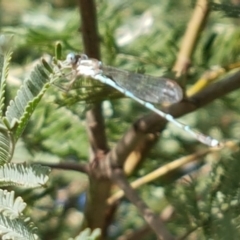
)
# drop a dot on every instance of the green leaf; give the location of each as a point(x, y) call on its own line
point(46, 65)
point(16, 229)
point(23, 175)
point(58, 50)
point(4, 66)
point(9, 206)
point(6, 145)
point(21, 108)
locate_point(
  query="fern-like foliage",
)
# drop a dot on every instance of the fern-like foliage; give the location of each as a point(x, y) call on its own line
point(12, 223)
point(6, 146)
point(5, 139)
point(4, 66)
point(9, 206)
point(23, 175)
point(21, 108)
point(16, 229)
point(85, 90)
point(2, 90)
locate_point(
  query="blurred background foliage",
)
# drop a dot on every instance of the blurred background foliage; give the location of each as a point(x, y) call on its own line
point(134, 35)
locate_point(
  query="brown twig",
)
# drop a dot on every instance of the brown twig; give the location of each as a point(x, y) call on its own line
point(154, 222)
point(139, 153)
point(154, 123)
point(182, 63)
point(145, 230)
point(191, 37)
point(84, 168)
point(209, 77)
point(99, 189)
point(172, 166)
point(89, 29)
point(169, 167)
point(230, 83)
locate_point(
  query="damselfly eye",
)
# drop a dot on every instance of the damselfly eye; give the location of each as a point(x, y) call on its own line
point(71, 58)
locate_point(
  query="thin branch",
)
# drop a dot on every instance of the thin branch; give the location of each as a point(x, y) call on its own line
point(139, 153)
point(191, 37)
point(124, 147)
point(209, 77)
point(135, 138)
point(215, 91)
point(145, 230)
point(96, 131)
point(89, 28)
point(162, 171)
point(155, 223)
point(84, 168)
point(95, 121)
point(99, 189)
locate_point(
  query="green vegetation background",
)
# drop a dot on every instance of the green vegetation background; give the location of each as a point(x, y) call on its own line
point(57, 130)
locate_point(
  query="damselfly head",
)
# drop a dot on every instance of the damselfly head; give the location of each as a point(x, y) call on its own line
point(77, 65)
point(74, 59)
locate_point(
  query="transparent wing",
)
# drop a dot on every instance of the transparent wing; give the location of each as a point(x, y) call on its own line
point(151, 89)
